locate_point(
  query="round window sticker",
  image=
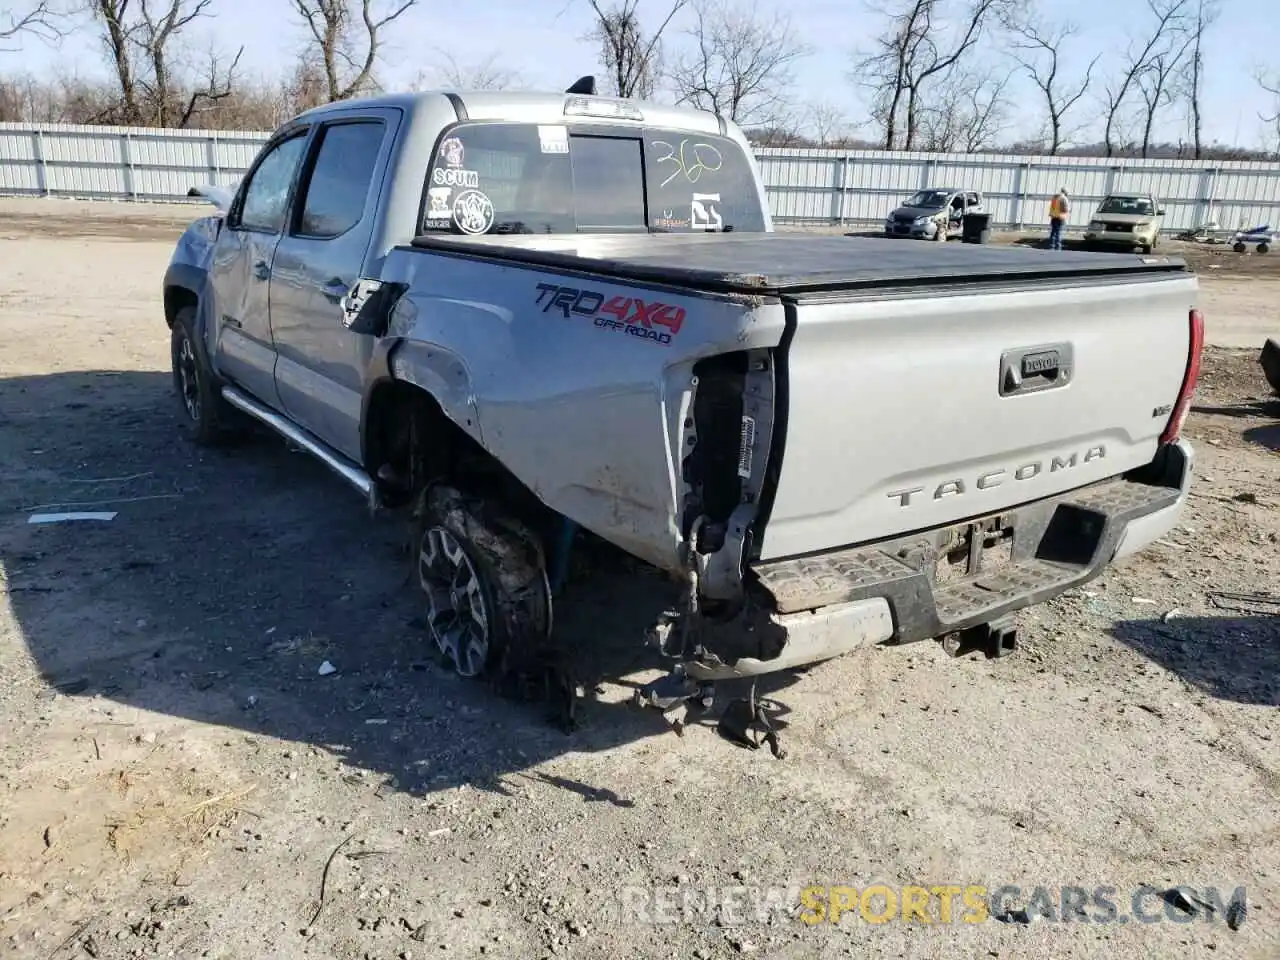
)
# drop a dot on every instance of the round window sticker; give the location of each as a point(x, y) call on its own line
point(473, 212)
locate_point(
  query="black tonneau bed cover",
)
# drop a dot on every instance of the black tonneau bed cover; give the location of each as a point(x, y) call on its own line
point(791, 263)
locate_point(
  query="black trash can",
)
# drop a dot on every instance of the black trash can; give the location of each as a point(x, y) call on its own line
point(976, 228)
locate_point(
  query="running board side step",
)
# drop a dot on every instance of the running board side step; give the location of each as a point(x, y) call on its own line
point(335, 461)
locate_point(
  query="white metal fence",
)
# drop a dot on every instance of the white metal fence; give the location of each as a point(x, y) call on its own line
point(853, 188)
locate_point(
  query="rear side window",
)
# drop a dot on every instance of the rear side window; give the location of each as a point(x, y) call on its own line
point(530, 178)
point(340, 177)
point(699, 183)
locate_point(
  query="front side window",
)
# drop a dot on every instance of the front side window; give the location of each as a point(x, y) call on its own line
point(340, 178)
point(267, 196)
point(531, 178)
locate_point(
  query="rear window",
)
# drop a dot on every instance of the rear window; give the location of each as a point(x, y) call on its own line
point(530, 178)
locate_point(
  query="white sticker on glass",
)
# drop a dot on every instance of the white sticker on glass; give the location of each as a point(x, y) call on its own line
point(553, 139)
point(438, 202)
point(704, 214)
point(453, 152)
point(473, 212)
point(455, 178)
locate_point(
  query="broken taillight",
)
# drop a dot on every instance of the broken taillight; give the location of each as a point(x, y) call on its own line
point(1173, 429)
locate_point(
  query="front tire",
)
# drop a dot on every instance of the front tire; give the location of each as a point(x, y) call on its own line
point(205, 418)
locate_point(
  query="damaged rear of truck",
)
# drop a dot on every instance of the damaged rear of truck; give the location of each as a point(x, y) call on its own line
point(540, 311)
point(833, 442)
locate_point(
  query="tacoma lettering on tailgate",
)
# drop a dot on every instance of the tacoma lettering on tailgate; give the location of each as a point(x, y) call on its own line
point(648, 320)
point(959, 486)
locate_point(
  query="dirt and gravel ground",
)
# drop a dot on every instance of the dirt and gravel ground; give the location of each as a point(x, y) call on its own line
point(178, 779)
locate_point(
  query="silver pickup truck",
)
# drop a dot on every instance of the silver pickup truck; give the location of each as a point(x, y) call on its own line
point(514, 315)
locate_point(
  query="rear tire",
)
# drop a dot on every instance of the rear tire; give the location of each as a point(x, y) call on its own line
point(483, 578)
point(205, 418)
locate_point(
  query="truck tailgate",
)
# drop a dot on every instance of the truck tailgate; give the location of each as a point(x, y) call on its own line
point(915, 409)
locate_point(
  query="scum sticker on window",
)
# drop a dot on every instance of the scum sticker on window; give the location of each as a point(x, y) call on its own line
point(455, 178)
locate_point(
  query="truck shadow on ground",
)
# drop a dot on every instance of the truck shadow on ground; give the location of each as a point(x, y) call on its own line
point(1233, 657)
point(1268, 408)
point(227, 578)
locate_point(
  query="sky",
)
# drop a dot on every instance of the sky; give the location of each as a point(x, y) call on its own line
point(544, 42)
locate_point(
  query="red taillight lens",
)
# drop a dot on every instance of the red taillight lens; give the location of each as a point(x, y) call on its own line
point(1180, 410)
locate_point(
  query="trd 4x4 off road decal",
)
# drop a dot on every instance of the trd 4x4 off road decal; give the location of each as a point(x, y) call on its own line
point(647, 320)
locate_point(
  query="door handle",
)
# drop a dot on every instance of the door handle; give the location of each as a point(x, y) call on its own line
point(261, 270)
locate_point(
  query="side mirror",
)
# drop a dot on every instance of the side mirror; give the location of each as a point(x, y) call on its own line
point(1160, 212)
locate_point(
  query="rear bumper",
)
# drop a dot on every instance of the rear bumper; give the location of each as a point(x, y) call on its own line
point(826, 605)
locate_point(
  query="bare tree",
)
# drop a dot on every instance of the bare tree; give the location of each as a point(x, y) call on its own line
point(153, 34)
point(885, 71)
point(214, 87)
point(739, 64)
point(347, 52)
point(143, 43)
point(827, 123)
point(1038, 49)
point(631, 59)
point(911, 54)
point(485, 74)
point(773, 136)
point(1170, 16)
point(1191, 83)
point(118, 30)
point(967, 111)
point(42, 21)
point(1271, 84)
point(1155, 84)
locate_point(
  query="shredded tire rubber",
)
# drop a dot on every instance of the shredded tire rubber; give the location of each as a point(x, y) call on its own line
point(525, 663)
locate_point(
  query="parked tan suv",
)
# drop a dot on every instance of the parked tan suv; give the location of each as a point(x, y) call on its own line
point(1126, 220)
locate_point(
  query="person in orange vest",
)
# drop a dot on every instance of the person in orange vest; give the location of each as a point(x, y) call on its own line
point(1059, 209)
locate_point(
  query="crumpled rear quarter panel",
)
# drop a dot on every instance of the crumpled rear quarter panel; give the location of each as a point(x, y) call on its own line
point(578, 399)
